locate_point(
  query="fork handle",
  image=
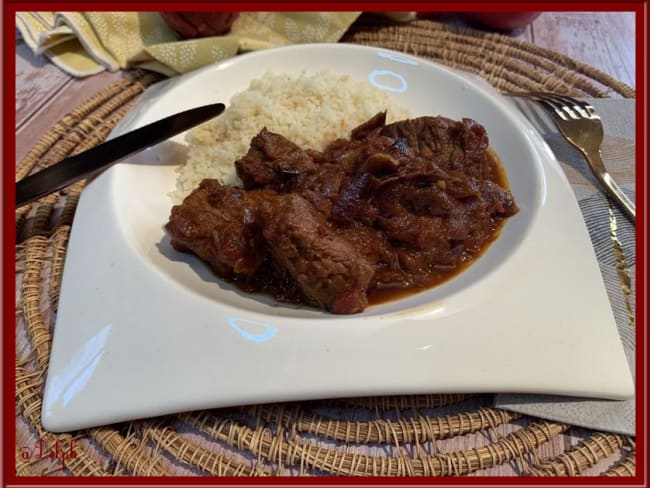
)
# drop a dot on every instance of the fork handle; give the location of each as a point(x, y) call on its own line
point(612, 188)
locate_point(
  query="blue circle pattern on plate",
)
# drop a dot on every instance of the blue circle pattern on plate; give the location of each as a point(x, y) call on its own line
point(240, 324)
point(374, 75)
point(381, 78)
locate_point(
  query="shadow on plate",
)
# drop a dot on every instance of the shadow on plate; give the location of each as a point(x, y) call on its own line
point(166, 153)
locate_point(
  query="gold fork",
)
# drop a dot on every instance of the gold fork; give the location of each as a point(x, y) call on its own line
point(581, 126)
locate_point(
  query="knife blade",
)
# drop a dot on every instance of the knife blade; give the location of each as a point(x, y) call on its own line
point(100, 157)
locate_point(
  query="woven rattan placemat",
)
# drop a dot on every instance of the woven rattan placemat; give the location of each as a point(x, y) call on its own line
point(428, 435)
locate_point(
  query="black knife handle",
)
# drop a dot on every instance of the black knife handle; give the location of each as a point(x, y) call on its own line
point(76, 167)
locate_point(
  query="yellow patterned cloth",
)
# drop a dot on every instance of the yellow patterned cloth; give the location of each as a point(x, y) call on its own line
point(85, 43)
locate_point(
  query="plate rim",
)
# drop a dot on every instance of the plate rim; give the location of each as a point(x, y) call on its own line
point(58, 419)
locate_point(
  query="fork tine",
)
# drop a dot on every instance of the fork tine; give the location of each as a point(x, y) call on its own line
point(565, 107)
point(555, 108)
point(583, 108)
point(586, 107)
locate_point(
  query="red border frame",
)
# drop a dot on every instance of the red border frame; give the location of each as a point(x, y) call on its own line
point(8, 337)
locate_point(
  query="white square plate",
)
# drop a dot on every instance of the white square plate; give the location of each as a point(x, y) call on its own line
point(143, 330)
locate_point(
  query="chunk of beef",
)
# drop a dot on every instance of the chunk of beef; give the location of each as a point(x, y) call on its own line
point(453, 145)
point(327, 268)
point(497, 199)
point(351, 203)
point(373, 124)
point(215, 222)
point(272, 161)
point(322, 187)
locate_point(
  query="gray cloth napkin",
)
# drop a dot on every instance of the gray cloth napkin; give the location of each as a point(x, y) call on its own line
point(613, 237)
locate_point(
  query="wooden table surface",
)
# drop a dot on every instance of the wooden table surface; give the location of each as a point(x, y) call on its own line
point(44, 93)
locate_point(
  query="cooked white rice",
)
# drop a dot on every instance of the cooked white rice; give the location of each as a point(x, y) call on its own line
point(311, 109)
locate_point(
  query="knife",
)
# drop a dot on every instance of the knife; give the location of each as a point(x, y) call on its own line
point(102, 156)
